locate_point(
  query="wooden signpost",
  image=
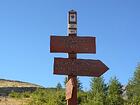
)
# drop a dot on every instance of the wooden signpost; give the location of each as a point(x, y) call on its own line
point(72, 66)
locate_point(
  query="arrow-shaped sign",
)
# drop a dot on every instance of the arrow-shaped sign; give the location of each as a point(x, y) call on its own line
point(79, 67)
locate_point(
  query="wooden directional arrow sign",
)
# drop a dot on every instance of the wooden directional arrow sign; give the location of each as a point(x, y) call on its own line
point(72, 44)
point(79, 67)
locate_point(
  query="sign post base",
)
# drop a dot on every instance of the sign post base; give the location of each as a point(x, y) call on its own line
point(73, 99)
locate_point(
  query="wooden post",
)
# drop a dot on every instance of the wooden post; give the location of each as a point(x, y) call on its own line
point(73, 100)
point(72, 31)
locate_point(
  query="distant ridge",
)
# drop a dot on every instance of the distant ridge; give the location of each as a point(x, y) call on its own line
point(15, 83)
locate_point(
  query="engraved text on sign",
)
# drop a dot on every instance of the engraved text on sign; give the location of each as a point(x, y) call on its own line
point(70, 44)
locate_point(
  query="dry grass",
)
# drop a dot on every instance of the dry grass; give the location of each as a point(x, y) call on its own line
point(13, 101)
point(12, 83)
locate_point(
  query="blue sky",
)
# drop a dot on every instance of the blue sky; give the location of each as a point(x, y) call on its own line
point(26, 26)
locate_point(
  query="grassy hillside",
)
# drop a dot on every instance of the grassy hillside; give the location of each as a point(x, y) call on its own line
point(13, 83)
point(13, 101)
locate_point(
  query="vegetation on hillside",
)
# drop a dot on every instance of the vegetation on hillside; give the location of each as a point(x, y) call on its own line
point(12, 83)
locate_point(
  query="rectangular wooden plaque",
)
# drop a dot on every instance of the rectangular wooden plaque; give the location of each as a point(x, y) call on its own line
point(79, 67)
point(71, 44)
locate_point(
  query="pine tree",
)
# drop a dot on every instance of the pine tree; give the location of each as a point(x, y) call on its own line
point(114, 96)
point(133, 88)
point(59, 86)
point(79, 85)
point(97, 94)
point(65, 81)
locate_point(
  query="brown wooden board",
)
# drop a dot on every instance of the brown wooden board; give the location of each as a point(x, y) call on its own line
point(79, 67)
point(72, 44)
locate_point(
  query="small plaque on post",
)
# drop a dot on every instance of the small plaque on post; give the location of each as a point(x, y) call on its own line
point(69, 89)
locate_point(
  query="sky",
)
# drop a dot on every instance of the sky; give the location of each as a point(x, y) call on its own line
point(26, 26)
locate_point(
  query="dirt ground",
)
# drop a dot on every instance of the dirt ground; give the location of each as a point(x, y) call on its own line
point(12, 101)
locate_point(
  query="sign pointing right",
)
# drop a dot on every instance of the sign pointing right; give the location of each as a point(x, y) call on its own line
point(79, 67)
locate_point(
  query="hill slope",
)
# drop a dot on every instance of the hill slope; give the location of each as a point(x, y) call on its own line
point(13, 83)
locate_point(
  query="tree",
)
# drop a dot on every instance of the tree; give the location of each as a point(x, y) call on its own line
point(79, 85)
point(65, 81)
point(59, 86)
point(97, 95)
point(114, 96)
point(133, 88)
point(82, 97)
